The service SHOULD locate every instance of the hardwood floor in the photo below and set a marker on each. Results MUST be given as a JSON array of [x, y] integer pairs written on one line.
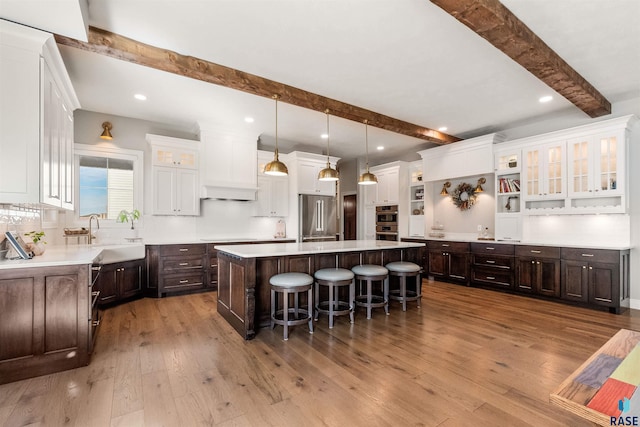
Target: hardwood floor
[[467, 357]]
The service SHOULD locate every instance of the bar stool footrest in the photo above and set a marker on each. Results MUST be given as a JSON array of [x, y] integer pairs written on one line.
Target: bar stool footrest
[[376, 301], [342, 308], [278, 318]]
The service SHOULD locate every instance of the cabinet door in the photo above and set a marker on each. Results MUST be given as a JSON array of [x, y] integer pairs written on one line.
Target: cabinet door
[[388, 186], [307, 177], [280, 196], [526, 274], [548, 277], [164, 190], [544, 172], [174, 157], [67, 163], [51, 152], [130, 279], [370, 222], [458, 266], [107, 284], [263, 197], [575, 279], [187, 194], [438, 264], [604, 283]]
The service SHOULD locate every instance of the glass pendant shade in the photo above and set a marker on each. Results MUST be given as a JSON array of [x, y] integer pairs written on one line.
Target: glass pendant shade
[[328, 173], [367, 178], [276, 167]]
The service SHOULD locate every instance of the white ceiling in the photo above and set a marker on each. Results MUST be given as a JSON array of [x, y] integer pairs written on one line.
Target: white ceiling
[[406, 59]]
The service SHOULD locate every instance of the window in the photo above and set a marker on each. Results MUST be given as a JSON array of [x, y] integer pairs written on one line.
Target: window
[[109, 181]]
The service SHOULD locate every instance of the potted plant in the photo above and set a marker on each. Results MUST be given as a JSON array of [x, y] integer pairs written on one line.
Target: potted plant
[[37, 243], [126, 216]]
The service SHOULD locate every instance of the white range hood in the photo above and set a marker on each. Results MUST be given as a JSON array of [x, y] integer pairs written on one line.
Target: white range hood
[[226, 192], [228, 167]]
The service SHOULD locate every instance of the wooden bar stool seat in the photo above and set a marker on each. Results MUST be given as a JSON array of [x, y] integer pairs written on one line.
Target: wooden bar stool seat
[[370, 273], [291, 284], [334, 279], [402, 270]]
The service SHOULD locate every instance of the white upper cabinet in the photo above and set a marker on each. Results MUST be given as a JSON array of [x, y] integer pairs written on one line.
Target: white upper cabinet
[[273, 191], [304, 169], [389, 188], [596, 165], [580, 170], [175, 184], [308, 182], [544, 171], [36, 105]]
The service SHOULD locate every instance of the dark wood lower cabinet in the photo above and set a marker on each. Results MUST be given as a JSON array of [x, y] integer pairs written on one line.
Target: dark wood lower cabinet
[[591, 277], [44, 320], [538, 270], [448, 261], [120, 282]]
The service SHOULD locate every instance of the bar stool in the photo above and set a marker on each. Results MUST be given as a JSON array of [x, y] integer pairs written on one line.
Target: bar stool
[[372, 273], [288, 284], [402, 270], [334, 279]]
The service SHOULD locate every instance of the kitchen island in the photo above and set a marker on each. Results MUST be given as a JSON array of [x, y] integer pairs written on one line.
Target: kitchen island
[[244, 271]]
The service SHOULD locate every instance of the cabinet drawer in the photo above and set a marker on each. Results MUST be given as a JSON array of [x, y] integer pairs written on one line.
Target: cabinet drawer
[[182, 282], [176, 250], [500, 278], [537, 252], [591, 255], [493, 261], [448, 246], [182, 263], [491, 248]]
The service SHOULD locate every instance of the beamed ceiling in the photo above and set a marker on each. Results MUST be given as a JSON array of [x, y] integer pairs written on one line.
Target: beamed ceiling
[[409, 67]]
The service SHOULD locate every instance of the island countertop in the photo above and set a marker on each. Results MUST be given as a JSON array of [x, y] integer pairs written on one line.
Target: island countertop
[[285, 249]]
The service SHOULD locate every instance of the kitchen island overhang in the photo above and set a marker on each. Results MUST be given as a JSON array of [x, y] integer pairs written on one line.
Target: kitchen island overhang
[[244, 271]]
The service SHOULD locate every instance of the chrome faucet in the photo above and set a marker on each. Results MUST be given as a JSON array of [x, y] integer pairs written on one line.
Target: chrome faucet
[[91, 218]]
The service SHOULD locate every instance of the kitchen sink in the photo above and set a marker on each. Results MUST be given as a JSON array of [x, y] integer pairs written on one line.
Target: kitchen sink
[[119, 253]]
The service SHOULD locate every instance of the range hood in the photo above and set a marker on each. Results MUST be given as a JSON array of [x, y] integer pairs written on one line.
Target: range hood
[[227, 192]]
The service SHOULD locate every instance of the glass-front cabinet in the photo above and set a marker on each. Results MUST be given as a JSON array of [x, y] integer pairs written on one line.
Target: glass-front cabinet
[[545, 176], [595, 165]]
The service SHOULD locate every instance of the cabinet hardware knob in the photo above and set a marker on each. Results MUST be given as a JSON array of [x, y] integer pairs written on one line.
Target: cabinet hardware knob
[[184, 281], [533, 262], [490, 262], [491, 278], [183, 263], [590, 268], [183, 249], [538, 262], [584, 267], [444, 245], [589, 255], [490, 249], [95, 323], [535, 252]]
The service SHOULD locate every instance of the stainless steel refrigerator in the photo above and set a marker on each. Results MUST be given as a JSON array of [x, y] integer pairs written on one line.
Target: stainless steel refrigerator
[[318, 220]]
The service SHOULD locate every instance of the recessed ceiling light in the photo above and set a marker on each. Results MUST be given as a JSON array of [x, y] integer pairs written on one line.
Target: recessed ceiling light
[[248, 119], [324, 136], [140, 97], [380, 148], [442, 129], [545, 99]]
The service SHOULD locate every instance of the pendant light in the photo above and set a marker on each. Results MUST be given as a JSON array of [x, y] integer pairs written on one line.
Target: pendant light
[[328, 173], [276, 167], [367, 178]]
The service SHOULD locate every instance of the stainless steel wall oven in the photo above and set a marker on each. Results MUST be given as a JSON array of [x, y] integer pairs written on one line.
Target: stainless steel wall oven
[[387, 222]]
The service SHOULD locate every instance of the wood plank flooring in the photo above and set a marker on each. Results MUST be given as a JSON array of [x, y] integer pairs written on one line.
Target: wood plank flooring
[[467, 357]]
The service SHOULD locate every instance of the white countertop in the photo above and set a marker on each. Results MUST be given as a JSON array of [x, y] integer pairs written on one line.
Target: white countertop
[[221, 240], [283, 249], [454, 238], [78, 254]]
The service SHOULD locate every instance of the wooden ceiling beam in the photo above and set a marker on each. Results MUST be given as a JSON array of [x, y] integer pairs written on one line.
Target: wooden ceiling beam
[[495, 23], [120, 47]]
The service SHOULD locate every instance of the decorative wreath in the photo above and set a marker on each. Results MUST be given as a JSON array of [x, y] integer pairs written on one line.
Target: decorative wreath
[[464, 196]]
